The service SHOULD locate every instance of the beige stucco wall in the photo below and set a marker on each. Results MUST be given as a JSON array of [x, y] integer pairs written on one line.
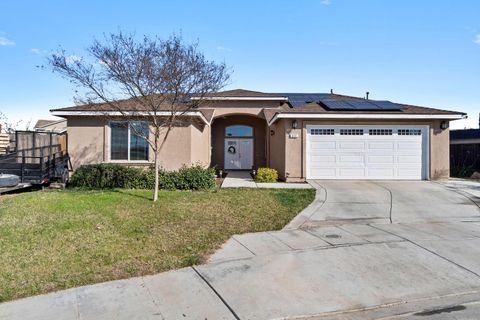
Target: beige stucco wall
[[294, 168], [89, 143], [85, 140], [200, 144], [439, 151], [276, 144]]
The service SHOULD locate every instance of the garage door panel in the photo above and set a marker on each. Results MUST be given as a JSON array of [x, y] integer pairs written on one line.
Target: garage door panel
[[323, 145], [351, 173], [324, 159], [410, 159], [381, 145], [351, 158], [409, 145], [351, 145], [377, 154], [380, 159], [381, 172]]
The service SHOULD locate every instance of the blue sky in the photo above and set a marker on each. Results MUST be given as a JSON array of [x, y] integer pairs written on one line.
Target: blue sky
[[417, 52]]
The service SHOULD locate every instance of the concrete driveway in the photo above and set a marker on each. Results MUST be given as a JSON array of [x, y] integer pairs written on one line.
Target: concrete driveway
[[390, 201], [425, 265]]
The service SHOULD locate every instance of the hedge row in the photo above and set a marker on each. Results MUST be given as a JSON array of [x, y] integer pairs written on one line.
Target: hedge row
[[107, 176]]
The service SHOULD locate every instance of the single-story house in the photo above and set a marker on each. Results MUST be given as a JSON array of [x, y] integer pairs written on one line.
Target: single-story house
[[57, 126], [303, 136]]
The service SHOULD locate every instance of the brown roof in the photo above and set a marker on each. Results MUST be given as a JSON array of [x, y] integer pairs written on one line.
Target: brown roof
[[243, 93], [312, 107], [43, 123]]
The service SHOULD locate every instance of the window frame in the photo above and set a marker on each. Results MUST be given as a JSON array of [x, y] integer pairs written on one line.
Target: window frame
[[239, 125], [128, 142]]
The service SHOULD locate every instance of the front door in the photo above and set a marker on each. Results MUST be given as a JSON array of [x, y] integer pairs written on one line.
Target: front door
[[238, 154]]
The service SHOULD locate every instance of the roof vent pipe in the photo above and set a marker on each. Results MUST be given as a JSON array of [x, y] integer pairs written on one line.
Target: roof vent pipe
[[367, 94]]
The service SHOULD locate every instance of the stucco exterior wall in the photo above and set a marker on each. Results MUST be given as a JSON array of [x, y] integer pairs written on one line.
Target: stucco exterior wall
[[85, 140], [439, 151], [89, 143], [276, 146], [200, 144]]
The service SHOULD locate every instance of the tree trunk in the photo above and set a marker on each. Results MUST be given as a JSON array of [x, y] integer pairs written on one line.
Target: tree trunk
[[155, 188]]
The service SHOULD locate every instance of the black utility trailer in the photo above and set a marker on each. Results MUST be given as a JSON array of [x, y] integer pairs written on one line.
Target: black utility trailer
[[37, 157]]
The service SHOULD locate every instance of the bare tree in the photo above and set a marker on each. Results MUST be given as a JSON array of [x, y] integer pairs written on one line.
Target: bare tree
[[10, 127], [151, 80]]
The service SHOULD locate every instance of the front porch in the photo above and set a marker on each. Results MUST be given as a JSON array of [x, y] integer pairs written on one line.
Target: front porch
[[239, 142]]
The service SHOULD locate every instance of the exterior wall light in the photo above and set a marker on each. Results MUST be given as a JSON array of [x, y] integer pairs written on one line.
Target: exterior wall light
[[294, 124], [444, 125]]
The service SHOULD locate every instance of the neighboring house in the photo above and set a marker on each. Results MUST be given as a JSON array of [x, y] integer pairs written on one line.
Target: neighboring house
[[465, 149], [57, 126], [4, 141], [303, 136]]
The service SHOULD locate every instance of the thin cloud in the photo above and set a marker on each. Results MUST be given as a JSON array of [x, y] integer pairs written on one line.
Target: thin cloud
[[326, 2], [38, 51], [477, 39], [222, 48], [6, 42]]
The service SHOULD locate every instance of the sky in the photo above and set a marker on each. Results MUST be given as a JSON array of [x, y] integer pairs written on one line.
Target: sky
[[417, 52]]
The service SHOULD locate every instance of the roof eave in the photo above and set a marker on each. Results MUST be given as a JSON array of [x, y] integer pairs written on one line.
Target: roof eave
[[220, 98], [64, 113], [366, 116]]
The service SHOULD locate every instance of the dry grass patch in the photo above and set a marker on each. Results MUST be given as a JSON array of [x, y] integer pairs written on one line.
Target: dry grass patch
[[60, 239]]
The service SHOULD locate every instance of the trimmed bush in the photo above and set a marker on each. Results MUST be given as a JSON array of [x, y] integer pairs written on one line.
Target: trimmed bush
[[266, 175], [107, 176]]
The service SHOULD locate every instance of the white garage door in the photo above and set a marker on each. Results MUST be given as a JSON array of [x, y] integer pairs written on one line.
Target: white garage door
[[367, 152]]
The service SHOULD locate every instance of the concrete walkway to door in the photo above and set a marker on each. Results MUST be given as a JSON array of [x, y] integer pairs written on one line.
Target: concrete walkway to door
[[243, 179]]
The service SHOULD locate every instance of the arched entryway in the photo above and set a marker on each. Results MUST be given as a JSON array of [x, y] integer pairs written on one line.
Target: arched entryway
[[238, 142]]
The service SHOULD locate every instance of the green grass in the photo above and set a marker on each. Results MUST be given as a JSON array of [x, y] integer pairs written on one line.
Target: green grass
[[54, 240]]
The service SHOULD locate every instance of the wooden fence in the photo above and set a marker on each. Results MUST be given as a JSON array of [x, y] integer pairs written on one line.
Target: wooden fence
[[4, 142], [465, 156]]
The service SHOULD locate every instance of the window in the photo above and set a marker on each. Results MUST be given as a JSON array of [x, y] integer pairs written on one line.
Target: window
[[239, 131], [380, 132], [351, 132], [322, 132], [128, 141], [409, 132]]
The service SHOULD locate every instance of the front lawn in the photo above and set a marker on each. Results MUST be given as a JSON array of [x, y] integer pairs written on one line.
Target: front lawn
[[54, 240]]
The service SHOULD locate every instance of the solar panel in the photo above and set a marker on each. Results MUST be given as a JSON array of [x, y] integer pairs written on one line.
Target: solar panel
[[387, 105], [337, 104], [363, 105], [300, 99], [359, 104]]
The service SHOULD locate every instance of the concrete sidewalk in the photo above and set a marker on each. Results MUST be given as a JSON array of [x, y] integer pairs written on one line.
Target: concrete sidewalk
[[243, 179]]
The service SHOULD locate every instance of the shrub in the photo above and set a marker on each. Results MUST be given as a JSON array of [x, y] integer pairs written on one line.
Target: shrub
[[106, 176], [266, 175]]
